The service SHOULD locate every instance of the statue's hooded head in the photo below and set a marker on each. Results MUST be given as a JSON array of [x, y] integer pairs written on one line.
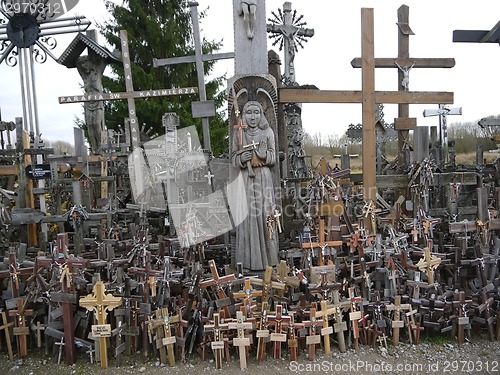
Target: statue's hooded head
[[263, 123]]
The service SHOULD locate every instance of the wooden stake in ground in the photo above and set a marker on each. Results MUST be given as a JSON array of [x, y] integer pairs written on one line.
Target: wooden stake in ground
[[5, 327], [100, 303], [241, 341], [218, 343], [21, 330], [397, 323]]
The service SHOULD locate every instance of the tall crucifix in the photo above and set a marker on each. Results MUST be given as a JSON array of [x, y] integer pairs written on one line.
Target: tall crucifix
[[405, 63], [204, 108], [287, 30], [129, 94], [368, 97]]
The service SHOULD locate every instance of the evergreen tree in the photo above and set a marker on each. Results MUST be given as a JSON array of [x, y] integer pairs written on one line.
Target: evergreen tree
[[160, 29]]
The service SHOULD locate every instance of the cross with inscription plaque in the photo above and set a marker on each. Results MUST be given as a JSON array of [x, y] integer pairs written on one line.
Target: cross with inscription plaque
[[241, 341], [397, 323], [21, 330], [280, 322], [130, 94], [326, 330], [313, 338], [100, 303], [218, 343]]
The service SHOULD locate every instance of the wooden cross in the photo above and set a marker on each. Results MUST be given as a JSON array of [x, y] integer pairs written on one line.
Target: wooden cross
[[397, 323], [414, 327], [355, 315], [67, 299], [292, 337], [239, 127], [368, 97], [312, 339], [404, 123], [218, 343], [130, 94], [321, 243], [428, 264], [280, 322], [218, 283], [282, 276], [262, 332], [241, 341], [164, 335], [327, 330], [100, 303], [463, 320], [6, 327], [324, 287], [485, 309], [247, 295], [267, 283], [21, 330], [204, 108]]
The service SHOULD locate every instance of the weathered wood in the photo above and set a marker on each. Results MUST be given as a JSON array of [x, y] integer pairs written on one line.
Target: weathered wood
[[292, 95], [383, 62]]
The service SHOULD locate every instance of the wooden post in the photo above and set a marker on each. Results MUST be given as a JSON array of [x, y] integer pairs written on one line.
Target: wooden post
[[5, 327], [369, 104], [354, 315], [327, 330], [397, 323], [100, 303], [21, 330]]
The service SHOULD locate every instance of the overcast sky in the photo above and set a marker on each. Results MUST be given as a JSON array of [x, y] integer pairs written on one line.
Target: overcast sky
[[324, 62]]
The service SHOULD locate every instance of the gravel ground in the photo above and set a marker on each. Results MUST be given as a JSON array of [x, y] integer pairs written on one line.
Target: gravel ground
[[433, 355]]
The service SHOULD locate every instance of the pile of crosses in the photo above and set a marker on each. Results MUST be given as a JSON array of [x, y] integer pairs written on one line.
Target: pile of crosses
[[357, 289]]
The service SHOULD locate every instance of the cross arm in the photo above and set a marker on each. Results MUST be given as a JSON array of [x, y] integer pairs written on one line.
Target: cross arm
[[191, 59], [418, 62], [291, 95]]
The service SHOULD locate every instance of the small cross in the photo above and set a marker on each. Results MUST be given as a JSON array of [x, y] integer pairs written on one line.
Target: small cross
[[209, 177]]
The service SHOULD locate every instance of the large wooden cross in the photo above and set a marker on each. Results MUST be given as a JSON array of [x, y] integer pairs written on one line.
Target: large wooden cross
[[368, 97], [204, 108], [100, 303], [130, 94], [404, 63], [321, 243]]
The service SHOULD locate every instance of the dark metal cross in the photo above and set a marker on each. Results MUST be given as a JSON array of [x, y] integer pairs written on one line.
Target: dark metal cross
[[26, 35], [286, 28]]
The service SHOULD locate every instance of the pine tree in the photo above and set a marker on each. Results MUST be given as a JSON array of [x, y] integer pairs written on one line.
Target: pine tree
[[160, 29]]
